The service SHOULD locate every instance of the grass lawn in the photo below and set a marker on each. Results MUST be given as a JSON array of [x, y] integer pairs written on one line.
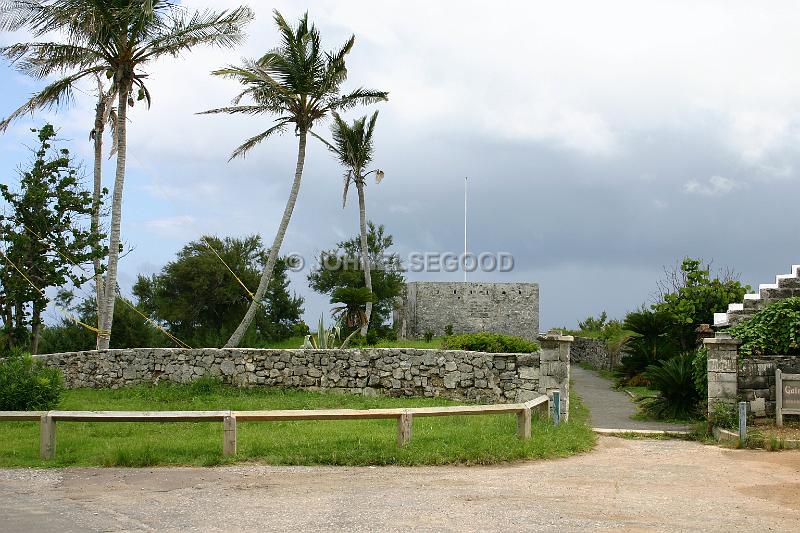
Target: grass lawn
[[436, 440]]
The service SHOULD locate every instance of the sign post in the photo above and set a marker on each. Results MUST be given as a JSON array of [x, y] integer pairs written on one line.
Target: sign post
[[787, 395]]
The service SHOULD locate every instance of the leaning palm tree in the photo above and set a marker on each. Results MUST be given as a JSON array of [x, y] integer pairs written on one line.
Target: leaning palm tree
[[300, 85], [117, 38], [352, 145]]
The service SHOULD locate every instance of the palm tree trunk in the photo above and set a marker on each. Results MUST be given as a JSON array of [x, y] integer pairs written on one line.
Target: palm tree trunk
[[99, 126], [274, 250], [362, 219], [109, 296]]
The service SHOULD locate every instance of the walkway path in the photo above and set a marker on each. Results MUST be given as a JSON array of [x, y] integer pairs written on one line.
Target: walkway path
[[623, 485], [611, 409]]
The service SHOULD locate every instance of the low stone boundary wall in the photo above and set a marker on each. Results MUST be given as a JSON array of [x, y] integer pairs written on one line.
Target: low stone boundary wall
[[458, 375], [593, 352], [732, 378]]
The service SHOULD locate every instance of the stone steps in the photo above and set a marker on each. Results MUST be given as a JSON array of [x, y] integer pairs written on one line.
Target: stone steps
[[785, 286]]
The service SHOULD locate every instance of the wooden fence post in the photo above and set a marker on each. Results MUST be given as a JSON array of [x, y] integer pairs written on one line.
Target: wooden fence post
[[404, 429], [47, 437], [229, 435], [524, 424]]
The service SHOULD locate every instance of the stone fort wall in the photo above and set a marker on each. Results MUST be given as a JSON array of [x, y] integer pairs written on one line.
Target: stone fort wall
[[511, 308]]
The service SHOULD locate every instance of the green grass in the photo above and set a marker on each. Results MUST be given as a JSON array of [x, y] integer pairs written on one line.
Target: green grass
[[437, 440], [641, 392]]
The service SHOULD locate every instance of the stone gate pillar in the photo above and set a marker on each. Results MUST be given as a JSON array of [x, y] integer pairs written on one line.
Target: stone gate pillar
[[554, 367], [722, 368]]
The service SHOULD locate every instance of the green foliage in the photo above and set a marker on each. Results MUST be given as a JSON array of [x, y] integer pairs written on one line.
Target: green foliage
[[352, 302], [201, 302], [724, 415], [342, 268], [692, 297], [27, 385], [674, 380], [448, 329], [325, 339], [428, 335], [130, 330], [700, 372], [774, 330], [297, 82], [651, 342], [45, 234], [490, 343]]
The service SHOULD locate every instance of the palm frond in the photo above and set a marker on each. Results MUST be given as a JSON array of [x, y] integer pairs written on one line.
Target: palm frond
[[246, 146], [57, 93], [224, 29]]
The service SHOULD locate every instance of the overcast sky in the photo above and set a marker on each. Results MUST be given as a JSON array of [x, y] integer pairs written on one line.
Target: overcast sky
[[602, 140]]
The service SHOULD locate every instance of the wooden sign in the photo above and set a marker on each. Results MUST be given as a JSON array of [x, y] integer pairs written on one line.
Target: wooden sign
[[787, 395]]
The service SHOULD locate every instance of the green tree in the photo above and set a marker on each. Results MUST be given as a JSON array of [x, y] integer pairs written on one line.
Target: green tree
[[130, 330], [301, 85], [341, 268], [117, 38], [352, 145], [199, 299], [46, 243], [691, 296]]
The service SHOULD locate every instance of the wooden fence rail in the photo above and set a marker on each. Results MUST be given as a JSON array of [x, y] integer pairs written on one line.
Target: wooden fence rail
[[404, 416]]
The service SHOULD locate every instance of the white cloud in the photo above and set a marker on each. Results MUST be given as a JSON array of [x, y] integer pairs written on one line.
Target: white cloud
[[180, 226], [716, 186]]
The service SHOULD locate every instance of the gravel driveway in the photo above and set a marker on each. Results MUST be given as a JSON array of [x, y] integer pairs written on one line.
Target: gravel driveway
[[631, 485]]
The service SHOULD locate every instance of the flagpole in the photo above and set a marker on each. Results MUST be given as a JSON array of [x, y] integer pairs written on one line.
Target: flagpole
[[464, 260]]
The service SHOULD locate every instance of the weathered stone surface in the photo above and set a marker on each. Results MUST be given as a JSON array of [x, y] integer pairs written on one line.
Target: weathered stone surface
[[511, 308], [459, 375], [594, 352]]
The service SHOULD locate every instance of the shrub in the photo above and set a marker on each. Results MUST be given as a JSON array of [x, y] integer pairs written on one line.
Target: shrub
[[490, 343], [674, 380], [28, 385], [651, 342], [773, 330], [700, 372], [428, 335], [448, 329], [723, 415]]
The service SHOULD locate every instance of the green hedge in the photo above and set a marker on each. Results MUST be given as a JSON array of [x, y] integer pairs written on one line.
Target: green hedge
[[774, 330], [490, 343], [28, 385]]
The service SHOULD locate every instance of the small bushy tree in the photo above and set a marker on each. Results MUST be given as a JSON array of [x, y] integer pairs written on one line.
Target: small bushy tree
[[200, 300], [46, 236], [340, 268]]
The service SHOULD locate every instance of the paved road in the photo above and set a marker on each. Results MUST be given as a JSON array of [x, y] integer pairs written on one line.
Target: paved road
[[611, 409], [623, 485]]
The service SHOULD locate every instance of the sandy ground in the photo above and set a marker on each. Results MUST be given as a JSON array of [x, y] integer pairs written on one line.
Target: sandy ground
[[624, 485]]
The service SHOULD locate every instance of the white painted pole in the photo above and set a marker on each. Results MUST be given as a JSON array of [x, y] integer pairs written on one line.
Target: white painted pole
[[464, 259]]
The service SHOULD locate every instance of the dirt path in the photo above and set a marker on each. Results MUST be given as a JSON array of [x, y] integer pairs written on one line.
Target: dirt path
[[630, 485], [611, 409]]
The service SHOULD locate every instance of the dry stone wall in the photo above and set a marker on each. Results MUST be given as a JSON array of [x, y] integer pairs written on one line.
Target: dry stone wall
[[511, 308], [732, 378], [459, 375], [593, 352]]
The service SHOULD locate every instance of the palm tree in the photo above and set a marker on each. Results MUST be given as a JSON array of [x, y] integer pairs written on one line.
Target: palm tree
[[353, 146], [18, 14], [299, 84], [117, 38]]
